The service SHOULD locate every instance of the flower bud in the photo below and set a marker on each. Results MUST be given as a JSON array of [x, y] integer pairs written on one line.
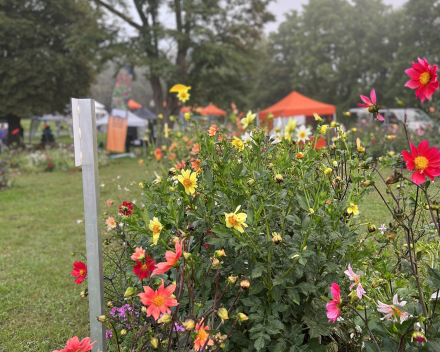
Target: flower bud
[[333, 124], [232, 279], [154, 342], [110, 304], [219, 253], [279, 178], [83, 294], [337, 179], [101, 319], [299, 155], [371, 228], [245, 284], [242, 317], [333, 146], [141, 185], [166, 319], [270, 166], [130, 291], [144, 309], [328, 171], [175, 240], [215, 262], [187, 116], [250, 181], [190, 227], [335, 163], [219, 339], [311, 211], [172, 171], [123, 332], [189, 324], [353, 296], [276, 238], [317, 117], [375, 283], [223, 314], [187, 256], [171, 189], [417, 336]]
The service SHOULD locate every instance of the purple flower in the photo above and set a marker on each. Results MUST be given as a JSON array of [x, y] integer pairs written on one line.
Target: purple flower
[[108, 334]]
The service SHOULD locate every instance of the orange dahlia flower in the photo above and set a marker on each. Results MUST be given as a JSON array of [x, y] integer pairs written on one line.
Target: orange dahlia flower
[[158, 301]]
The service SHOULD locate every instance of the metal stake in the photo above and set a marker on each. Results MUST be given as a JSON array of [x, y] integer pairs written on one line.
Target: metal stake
[[86, 154]]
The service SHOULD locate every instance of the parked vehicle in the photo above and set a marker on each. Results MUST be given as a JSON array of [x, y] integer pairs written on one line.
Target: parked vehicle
[[416, 118]]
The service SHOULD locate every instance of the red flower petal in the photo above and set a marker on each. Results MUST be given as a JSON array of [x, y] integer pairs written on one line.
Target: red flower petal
[[418, 178], [373, 96]]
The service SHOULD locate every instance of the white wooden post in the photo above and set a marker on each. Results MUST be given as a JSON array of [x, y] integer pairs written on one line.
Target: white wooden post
[[86, 155]]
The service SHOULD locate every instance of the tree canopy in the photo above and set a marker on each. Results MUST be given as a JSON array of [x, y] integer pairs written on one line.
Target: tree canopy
[[335, 50], [210, 47], [48, 55]]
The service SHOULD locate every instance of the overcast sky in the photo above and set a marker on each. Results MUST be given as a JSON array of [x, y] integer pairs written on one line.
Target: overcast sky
[[280, 7]]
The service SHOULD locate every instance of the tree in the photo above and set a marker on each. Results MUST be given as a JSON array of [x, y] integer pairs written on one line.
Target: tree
[[418, 28], [333, 51], [212, 44], [48, 55]]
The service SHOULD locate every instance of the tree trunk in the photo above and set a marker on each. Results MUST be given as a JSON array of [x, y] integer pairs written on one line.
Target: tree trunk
[[15, 138]]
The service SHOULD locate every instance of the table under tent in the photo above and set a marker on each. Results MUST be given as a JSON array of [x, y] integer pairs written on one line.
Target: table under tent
[[298, 107], [57, 118]]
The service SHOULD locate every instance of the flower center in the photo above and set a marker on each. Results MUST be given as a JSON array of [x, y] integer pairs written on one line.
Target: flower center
[[156, 228], [232, 220], [425, 77], [421, 163], [144, 267], [302, 135], [396, 311], [158, 301], [187, 182], [203, 334], [81, 272]]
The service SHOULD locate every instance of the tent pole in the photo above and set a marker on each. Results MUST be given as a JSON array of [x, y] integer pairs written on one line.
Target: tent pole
[[334, 117]]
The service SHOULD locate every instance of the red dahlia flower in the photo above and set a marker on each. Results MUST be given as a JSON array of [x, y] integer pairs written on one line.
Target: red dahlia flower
[[74, 345], [425, 160], [79, 271], [126, 208], [370, 104], [144, 269], [423, 77]]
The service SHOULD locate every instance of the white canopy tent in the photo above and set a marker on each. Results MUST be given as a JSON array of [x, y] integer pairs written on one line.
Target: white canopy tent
[[132, 120]]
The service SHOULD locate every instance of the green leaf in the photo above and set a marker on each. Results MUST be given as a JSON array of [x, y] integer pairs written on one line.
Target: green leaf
[[303, 203], [238, 170], [434, 278], [259, 343], [258, 270]]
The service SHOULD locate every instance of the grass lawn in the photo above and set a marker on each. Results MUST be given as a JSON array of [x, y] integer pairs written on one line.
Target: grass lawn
[[40, 307]]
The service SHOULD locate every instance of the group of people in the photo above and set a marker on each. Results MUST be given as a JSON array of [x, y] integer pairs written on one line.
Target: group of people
[[3, 137]]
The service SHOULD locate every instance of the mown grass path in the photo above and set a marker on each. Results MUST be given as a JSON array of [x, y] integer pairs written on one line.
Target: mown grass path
[[40, 307]]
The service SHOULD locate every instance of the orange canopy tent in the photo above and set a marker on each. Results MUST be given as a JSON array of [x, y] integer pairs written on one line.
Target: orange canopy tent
[[297, 104], [133, 105], [212, 110]]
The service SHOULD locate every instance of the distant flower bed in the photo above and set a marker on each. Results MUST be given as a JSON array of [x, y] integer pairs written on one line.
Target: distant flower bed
[[59, 158]]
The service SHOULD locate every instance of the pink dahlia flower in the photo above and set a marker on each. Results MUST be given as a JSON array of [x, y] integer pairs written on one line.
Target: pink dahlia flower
[[356, 278], [424, 78], [425, 161], [391, 311], [334, 306], [370, 104]]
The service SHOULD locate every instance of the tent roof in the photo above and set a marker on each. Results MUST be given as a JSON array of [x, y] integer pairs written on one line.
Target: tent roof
[[212, 110], [133, 105], [297, 104], [133, 120], [146, 114]]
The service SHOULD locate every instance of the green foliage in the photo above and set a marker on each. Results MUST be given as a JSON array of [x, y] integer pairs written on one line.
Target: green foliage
[[48, 54], [285, 303]]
